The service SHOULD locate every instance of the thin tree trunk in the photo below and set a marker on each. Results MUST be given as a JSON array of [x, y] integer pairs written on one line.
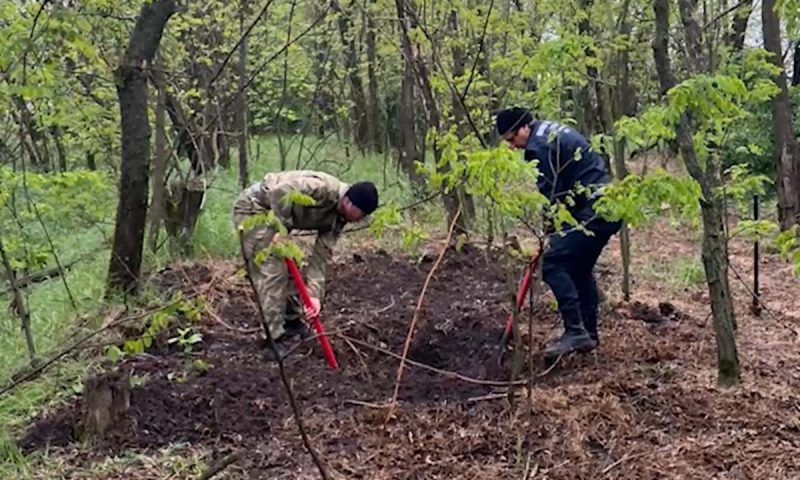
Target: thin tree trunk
[[460, 116], [62, 154], [373, 108], [796, 65], [18, 304], [739, 26], [241, 114], [693, 34], [584, 108], [160, 162], [434, 119], [29, 135], [713, 249], [126, 253], [623, 106], [359, 108], [785, 150], [409, 149], [90, 161]]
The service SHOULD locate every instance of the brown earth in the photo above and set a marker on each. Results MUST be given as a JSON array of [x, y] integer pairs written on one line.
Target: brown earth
[[644, 405]]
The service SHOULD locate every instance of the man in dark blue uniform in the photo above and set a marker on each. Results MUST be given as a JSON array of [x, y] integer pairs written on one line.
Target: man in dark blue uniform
[[565, 160]]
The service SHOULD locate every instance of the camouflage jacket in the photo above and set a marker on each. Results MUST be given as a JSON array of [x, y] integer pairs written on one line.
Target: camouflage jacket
[[323, 217]]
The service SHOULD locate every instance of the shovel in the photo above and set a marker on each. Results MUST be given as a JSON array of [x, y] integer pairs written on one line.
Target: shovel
[[522, 293], [327, 351]]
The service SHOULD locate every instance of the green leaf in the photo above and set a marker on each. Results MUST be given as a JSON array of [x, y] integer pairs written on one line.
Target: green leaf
[[113, 353], [295, 197], [134, 347]]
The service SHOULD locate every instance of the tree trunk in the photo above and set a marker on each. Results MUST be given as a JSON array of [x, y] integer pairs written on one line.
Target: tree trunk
[[739, 27], [785, 151], [159, 163], [693, 34], [29, 135], [359, 108], [373, 108], [107, 400], [241, 113], [409, 148], [322, 101], [623, 106], [126, 253], [405, 11], [62, 154], [584, 109], [714, 259], [715, 263], [18, 304], [796, 65], [90, 161], [661, 46], [182, 210], [185, 196], [460, 117]]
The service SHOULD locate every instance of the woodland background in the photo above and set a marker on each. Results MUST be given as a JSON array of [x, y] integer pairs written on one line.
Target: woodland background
[[129, 127]]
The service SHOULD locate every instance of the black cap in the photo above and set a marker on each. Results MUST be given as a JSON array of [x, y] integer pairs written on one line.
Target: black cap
[[364, 195], [511, 119]]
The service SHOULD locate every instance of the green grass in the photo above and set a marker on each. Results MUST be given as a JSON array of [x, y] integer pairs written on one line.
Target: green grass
[[685, 272], [50, 306]]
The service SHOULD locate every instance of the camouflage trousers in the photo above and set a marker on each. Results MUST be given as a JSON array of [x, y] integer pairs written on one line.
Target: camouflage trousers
[[276, 291]]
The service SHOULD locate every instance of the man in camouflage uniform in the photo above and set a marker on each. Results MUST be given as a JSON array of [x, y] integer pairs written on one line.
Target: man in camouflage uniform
[[336, 203]]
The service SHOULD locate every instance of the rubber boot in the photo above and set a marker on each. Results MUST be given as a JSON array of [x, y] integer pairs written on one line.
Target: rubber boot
[[590, 323], [293, 323], [574, 339], [296, 328], [282, 348]]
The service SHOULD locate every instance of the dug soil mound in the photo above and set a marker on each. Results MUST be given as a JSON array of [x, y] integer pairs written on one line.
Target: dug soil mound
[[642, 406]]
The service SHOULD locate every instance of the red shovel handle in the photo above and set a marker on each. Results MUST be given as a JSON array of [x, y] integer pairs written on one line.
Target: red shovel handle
[[522, 292], [327, 351]]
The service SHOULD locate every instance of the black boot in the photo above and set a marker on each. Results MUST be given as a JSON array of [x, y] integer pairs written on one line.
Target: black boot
[[296, 328], [590, 323], [574, 339], [282, 347]]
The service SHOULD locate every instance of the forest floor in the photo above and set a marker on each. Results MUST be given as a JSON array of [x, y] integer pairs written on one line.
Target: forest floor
[[644, 405]]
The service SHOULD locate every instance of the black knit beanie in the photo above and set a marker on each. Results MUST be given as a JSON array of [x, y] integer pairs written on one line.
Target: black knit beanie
[[364, 195], [511, 119]]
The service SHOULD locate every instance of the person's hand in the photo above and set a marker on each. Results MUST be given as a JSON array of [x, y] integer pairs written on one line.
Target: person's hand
[[277, 238], [314, 310]]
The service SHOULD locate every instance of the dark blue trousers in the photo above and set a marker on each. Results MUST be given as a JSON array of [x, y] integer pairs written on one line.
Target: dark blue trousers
[[568, 268]]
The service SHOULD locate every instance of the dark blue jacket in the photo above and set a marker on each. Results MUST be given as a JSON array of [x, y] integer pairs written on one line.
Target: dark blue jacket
[[565, 159]]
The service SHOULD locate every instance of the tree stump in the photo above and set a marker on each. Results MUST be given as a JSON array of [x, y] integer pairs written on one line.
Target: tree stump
[[106, 403]]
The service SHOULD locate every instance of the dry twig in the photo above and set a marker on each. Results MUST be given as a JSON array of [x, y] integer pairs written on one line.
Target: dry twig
[[219, 466], [444, 373]]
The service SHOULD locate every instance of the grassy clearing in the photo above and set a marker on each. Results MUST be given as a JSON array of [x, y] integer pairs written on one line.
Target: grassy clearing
[[52, 311]]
